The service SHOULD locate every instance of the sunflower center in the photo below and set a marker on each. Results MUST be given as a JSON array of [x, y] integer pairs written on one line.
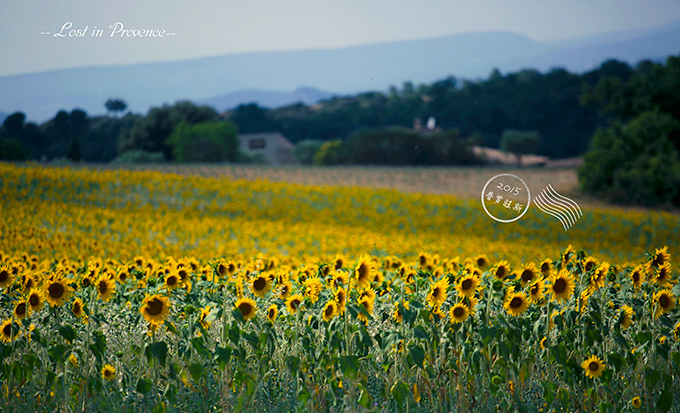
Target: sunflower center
[[4, 275], [7, 330], [466, 284], [56, 290], [545, 267], [589, 266], [658, 260], [21, 309], [103, 287], [458, 312], [664, 301], [154, 307], [363, 271], [245, 308], [271, 313], [34, 300], [560, 285], [259, 284], [329, 311], [435, 292], [222, 269], [86, 282], [340, 297], [481, 262], [527, 275], [500, 272], [338, 264], [294, 304], [593, 366], [182, 274], [172, 280], [516, 302], [76, 308]]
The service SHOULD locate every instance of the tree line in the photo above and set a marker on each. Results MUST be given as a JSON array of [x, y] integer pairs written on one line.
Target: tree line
[[563, 108]]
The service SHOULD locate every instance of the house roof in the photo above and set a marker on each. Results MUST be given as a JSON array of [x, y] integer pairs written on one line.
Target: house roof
[[269, 137]]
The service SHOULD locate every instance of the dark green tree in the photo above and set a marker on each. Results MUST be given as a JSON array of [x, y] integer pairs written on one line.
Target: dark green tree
[[205, 142], [520, 143], [115, 106], [635, 163]]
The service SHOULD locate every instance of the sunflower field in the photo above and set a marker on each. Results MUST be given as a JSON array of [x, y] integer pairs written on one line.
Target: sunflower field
[[144, 291]]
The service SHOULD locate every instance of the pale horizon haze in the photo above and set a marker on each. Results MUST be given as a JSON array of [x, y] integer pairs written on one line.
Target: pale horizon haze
[[205, 28]]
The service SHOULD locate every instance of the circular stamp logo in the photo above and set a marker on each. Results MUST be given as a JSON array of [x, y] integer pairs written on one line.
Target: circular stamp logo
[[506, 198]]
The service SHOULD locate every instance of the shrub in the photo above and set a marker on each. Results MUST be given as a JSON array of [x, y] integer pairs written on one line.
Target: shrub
[[139, 156], [305, 151], [205, 142]]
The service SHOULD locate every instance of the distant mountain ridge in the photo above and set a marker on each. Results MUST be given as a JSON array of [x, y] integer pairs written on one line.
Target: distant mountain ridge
[[255, 77]]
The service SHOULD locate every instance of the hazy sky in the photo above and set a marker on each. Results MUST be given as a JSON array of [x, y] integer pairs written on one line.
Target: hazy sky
[[213, 27]]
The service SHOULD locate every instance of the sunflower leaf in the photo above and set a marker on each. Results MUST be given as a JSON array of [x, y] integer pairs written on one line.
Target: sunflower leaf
[[157, 350], [143, 385], [400, 392], [196, 370], [417, 354], [68, 332]]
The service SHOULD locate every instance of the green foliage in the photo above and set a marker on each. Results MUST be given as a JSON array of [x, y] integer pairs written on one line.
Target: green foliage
[[520, 143], [305, 151], [205, 142], [400, 146], [328, 153], [11, 150], [139, 156], [150, 133], [115, 105], [74, 152], [636, 162]]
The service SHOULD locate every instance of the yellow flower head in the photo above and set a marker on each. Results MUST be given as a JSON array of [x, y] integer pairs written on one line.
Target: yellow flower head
[[593, 367], [155, 309], [247, 307], [108, 372]]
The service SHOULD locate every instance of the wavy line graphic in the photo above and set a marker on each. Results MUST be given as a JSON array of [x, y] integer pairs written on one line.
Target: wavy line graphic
[[564, 209]]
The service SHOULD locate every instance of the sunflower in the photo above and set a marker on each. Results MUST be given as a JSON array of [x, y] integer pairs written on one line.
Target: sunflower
[[77, 308], [659, 258], [562, 286], [106, 287], [363, 272], [171, 281], [593, 367], [423, 259], [272, 312], [203, 318], [676, 331], [339, 262], [537, 290], [57, 291], [285, 289], [626, 316], [124, 275], [663, 275], [108, 372], [340, 297], [293, 303], [467, 286], [8, 331], [339, 278], [501, 270], [437, 294], [35, 300], [155, 309], [482, 261], [566, 254], [73, 360], [410, 275], [598, 278], [6, 277], [260, 285], [458, 313], [516, 303], [637, 276], [636, 402], [528, 273], [329, 310], [21, 310], [589, 263], [313, 287], [29, 281], [546, 267], [665, 302], [247, 307], [398, 317], [367, 303]]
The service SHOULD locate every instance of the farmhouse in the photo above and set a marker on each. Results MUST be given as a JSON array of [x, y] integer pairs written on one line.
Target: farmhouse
[[272, 146]]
